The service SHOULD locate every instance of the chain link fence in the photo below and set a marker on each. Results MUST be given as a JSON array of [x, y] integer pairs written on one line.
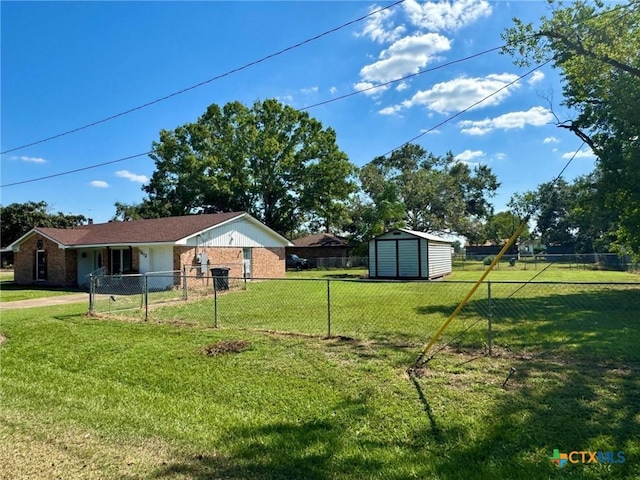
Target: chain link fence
[[590, 261], [535, 318]]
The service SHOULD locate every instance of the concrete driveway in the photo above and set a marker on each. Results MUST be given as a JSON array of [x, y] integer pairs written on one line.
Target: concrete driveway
[[47, 301]]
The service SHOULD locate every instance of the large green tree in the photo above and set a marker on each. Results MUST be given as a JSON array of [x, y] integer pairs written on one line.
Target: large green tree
[[270, 160], [16, 219], [568, 214], [595, 46], [421, 191]]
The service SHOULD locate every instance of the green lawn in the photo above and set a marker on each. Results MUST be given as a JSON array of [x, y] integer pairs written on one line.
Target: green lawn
[[123, 398], [10, 292], [78, 390]]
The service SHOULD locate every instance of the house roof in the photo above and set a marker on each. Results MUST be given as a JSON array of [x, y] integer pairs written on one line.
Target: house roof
[[155, 230], [320, 240]]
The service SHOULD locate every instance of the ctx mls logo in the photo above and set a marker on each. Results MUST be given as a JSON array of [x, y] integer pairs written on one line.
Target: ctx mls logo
[[561, 459]]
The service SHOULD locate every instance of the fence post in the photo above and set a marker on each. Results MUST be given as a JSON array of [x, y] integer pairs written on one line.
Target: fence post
[[215, 303], [184, 283], [244, 274], [489, 315], [328, 308], [92, 291], [146, 297]]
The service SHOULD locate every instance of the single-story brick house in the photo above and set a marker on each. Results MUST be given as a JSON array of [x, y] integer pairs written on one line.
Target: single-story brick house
[[66, 256], [319, 245]]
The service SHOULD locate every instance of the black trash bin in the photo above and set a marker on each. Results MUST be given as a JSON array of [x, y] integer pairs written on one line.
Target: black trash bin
[[220, 278]]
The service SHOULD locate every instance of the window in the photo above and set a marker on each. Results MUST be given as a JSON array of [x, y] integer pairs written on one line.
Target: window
[[120, 260]]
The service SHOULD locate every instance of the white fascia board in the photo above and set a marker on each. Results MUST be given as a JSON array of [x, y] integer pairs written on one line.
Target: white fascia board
[[15, 246]]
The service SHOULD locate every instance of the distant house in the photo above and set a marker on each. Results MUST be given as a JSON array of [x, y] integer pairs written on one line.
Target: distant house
[[320, 245], [488, 248], [66, 256], [407, 254]]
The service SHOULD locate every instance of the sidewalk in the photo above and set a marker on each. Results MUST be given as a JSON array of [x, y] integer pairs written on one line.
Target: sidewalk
[[46, 301]]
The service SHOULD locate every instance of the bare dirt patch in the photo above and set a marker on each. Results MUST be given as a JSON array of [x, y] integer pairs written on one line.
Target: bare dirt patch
[[227, 346], [2, 339]]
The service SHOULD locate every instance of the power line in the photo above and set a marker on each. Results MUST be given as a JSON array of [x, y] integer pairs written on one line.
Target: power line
[[390, 82], [469, 107], [205, 82], [76, 170], [325, 102]]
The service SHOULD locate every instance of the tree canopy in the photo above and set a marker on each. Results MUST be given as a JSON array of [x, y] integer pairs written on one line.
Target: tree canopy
[[418, 190], [277, 163], [568, 214], [596, 48], [19, 218]]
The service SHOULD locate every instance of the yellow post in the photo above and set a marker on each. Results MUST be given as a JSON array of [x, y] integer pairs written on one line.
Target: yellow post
[[473, 290]]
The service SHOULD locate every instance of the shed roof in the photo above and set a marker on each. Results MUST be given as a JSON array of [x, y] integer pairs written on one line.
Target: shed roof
[[428, 236]]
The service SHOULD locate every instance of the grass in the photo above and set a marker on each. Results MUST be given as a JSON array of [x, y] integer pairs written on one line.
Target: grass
[[10, 292], [267, 396], [99, 398]]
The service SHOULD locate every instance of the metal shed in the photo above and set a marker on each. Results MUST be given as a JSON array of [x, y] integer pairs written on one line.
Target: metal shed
[[407, 254]]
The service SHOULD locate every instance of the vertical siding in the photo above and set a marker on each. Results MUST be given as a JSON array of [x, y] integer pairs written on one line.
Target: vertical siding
[[439, 259], [240, 233], [408, 258], [386, 258]]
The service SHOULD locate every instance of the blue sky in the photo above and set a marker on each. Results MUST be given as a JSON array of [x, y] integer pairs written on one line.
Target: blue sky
[[68, 64]]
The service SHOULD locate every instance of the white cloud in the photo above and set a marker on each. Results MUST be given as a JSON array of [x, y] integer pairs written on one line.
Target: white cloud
[[309, 90], [500, 156], [430, 132], [333, 90], [405, 56], [585, 153], [390, 110], [380, 28], [446, 15], [535, 116], [536, 77], [132, 176], [551, 140], [468, 155], [361, 86], [460, 93], [285, 99], [99, 184], [30, 159], [402, 86]]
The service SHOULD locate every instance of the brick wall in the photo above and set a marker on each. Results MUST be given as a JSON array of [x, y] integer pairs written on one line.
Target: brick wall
[[61, 264], [265, 262], [268, 262]]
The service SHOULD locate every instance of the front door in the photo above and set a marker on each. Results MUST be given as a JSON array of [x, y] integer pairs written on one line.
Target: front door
[[41, 265]]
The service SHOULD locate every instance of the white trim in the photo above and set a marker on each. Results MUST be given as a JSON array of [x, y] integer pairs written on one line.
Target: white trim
[[33, 231]]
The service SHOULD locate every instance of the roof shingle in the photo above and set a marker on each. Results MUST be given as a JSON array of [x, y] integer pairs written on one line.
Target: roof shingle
[[154, 230]]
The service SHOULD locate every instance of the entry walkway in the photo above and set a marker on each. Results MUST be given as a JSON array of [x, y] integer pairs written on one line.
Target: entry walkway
[[46, 301]]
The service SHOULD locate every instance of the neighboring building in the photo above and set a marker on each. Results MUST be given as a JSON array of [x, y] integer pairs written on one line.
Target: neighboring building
[[488, 248], [320, 245], [406, 254], [66, 256]]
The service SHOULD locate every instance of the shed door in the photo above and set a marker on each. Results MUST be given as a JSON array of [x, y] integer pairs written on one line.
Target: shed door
[[408, 258], [386, 258]]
